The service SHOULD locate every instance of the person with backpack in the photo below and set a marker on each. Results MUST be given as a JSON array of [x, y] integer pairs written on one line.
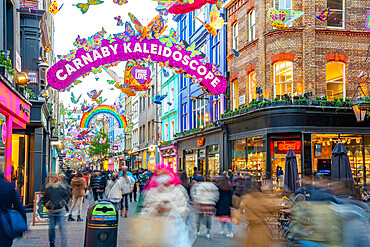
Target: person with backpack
[[127, 186], [56, 196], [97, 184]]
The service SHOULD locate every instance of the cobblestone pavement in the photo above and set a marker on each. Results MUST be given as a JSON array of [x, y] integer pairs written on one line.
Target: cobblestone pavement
[[38, 235]]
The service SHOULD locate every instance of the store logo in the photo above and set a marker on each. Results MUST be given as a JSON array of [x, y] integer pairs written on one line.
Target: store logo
[[284, 146], [200, 142], [25, 110]]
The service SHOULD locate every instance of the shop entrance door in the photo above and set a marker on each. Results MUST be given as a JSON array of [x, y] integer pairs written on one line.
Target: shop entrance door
[[202, 166]]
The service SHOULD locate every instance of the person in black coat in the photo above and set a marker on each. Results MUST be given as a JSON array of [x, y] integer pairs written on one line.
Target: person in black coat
[[97, 185], [9, 200], [223, 212]]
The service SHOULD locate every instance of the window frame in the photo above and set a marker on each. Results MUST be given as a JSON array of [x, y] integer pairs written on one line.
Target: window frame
[[235, 30], [274, 77], [184, 116], [197, 13], [235, 97], [343, 16], [251, 28], [198, 109], [344, 79], [250, 91]]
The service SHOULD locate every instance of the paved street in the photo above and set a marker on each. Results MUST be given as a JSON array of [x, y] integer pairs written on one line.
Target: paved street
[[38, 235]]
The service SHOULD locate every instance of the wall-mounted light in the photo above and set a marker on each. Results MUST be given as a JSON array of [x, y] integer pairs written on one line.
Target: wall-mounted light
[[207, 117], [22, 78]]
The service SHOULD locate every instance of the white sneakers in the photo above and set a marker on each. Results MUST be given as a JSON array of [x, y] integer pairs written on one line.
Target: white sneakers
[[230, 235], [221, 233], [208, 235]]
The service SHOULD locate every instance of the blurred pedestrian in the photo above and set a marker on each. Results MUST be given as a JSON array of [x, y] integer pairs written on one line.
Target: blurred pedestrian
[[223, 206], [78, 185], [97, 185], [114, 191], [185, 181], [9, 200], [205, 196], [54, 200], [62, 179], [127, 186], [142, 179], [134, 191]]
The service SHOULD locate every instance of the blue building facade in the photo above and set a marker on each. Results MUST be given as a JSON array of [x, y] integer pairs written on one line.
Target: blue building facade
[[198, 111]]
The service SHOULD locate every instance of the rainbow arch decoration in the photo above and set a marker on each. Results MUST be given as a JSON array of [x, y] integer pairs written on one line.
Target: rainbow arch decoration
[[103, 109]]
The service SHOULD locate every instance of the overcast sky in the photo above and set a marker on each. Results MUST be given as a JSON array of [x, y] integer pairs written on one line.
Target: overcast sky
[[70, 22]]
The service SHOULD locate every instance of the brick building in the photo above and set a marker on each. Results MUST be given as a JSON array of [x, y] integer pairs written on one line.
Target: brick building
[[293, 67]]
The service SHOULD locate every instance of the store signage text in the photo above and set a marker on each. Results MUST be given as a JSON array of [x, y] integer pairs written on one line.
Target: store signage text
[[284, 146], [65, 72], [200, 142], [25, 110]]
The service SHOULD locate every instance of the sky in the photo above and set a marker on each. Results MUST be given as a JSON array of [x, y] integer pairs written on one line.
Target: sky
[[70, 22]]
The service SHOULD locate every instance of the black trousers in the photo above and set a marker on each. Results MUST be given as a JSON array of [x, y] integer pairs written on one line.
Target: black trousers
[[97, 194], [134, 191]]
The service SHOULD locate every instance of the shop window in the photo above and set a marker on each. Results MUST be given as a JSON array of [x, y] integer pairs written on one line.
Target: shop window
[[283, 79], [235, 93], [252, 84], [337, 13], [165, 131], [283, 4], [335, 80], [238, 155], [190, 161], [216, 109], [216, 50], [172, 129], [172, 98], [252, 25], [199, 112], [184, 116], [213, 156], [235, 31], [256, 157]]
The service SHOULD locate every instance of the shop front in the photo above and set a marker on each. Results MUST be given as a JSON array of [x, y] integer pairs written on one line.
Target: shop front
[[14, 115], [202, 151], [310, 132], [169, 156]]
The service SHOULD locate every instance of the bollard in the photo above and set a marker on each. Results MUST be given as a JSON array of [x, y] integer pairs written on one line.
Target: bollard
[[101, 225]]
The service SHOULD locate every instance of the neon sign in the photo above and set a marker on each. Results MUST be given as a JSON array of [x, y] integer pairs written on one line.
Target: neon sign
[[81, 61], [284, 146]]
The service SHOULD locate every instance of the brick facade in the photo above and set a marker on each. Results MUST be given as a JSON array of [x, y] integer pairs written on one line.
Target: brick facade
[[309, 43]]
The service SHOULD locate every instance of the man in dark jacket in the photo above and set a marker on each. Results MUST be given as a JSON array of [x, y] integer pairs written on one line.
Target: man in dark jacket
[[56, 196], [97, 185], [9, 200]]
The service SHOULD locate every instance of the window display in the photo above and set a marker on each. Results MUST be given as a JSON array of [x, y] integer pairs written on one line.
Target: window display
[[213, 160], [238, 155], [256, 151]]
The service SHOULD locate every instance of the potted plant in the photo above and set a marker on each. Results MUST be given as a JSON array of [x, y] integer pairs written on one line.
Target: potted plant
[[264, 103], [253, 105], [6, 67]]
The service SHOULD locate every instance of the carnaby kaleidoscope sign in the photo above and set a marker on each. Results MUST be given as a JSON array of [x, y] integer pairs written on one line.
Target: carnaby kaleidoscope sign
[[112, 50]]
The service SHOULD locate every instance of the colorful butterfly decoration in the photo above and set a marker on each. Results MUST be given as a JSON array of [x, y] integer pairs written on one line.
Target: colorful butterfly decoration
[[128, 128], [69, 114], [97, 70], [281, 17], [76, 82], [216, 71], [53, 9], [165, 73], [158, 98], [204, 61], [164, 64], [142, 30], [90, 43], [111, 39], [120, 2], [86, 108], [324, 15], [101, 100], [111, 82], [171, 40], [47, 48], [127, 34], [148, 60], [185, 6], [119, 20], [75, 100], [158, 27], [367, 23], [194, 52], [94, 95], [219, 4], [84, 7], [216, 21], [235, 52], [63, 111], [196, 80], [69, 57], [179, 71], [180, 46]]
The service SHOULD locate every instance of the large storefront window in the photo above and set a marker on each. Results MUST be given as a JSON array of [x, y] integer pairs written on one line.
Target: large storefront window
[[278, 157], [323, 145], [238, 155], [19, 161], [256, 151], [190, 161], [213, 160], [2, 144]]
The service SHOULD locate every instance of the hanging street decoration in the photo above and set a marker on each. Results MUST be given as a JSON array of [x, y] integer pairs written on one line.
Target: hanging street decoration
[[216, 21], [87, 117], [75, 100], [53, 9], [94, 95], [280, 18], [84, 7], [141, 75], [367, 23], [186, 6]]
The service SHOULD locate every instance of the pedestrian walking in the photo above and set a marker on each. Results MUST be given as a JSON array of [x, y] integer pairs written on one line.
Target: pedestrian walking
[[127, 186], [134, 191], [97, 185], [205, 196], [223, 206], [63, 180], [142, 179], [114, 191], [54, 200], [78, 185], [9, 200]]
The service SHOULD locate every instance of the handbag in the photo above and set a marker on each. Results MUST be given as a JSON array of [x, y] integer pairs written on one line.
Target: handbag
[[13, 223]]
